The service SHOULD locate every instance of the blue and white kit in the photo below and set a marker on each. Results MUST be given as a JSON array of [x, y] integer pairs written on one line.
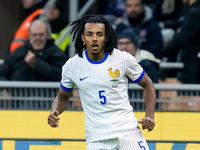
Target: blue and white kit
[[103, 87]]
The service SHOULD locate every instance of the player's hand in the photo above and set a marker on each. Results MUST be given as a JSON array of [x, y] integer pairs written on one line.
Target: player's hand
[[147, 123], [53, 119]]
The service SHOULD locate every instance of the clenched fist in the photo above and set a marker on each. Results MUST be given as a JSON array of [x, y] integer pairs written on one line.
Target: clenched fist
[[147, 123], [53, 119]]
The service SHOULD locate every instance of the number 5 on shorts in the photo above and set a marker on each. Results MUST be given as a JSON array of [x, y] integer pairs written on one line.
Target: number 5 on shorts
[[141, 146]]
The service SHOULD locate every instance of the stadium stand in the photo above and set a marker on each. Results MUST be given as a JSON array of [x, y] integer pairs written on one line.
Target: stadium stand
[[39, 96], [24, 107]]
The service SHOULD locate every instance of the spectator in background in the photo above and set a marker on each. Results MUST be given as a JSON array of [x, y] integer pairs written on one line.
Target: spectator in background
[[151, 3], [38, 60], [113, 7], [58, 22], [21, 34], [188, 41], [54, 14], [140, 16], [169, 14], [29, 6], [128, 41]]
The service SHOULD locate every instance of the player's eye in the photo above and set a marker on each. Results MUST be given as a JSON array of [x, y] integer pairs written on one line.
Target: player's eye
[[100, 34], [89, 34]]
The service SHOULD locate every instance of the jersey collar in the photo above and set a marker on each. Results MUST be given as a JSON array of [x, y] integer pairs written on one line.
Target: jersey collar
[[96, 62]]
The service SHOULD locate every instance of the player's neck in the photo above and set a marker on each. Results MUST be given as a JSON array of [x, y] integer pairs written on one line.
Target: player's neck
[[96, 56]]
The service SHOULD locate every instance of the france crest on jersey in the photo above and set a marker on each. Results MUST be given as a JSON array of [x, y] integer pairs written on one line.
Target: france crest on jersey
[[103, 87]]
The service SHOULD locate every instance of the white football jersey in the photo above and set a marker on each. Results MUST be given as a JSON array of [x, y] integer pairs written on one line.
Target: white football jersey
[[103, 89]]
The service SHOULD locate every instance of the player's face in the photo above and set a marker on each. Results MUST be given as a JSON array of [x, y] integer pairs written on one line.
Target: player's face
[[134, 8], [126, 45], [94, 37]]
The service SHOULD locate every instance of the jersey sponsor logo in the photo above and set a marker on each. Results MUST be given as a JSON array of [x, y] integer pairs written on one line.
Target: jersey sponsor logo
[[81, 79]]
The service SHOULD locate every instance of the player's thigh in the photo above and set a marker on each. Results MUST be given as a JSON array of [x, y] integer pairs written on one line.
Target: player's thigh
[[133, 141], [109, 144]]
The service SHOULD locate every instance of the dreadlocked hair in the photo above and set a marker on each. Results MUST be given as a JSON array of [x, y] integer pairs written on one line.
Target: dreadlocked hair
[[78, 29]]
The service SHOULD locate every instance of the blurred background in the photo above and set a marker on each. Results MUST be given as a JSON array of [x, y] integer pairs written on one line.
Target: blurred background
[[169, 52]]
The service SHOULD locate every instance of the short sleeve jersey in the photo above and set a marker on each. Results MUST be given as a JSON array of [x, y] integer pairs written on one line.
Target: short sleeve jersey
[[103, 89]]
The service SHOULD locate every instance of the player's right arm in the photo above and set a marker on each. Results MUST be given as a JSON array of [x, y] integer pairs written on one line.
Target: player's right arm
[[59, 105]]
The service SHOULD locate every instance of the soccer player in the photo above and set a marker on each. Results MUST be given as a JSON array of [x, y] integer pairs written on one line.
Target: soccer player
[[100, 72]]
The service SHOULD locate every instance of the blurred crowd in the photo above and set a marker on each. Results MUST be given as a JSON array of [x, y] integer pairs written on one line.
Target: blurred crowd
[[154, 31]]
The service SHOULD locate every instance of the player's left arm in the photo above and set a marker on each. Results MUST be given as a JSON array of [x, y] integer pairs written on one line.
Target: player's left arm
[[150, 101]]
